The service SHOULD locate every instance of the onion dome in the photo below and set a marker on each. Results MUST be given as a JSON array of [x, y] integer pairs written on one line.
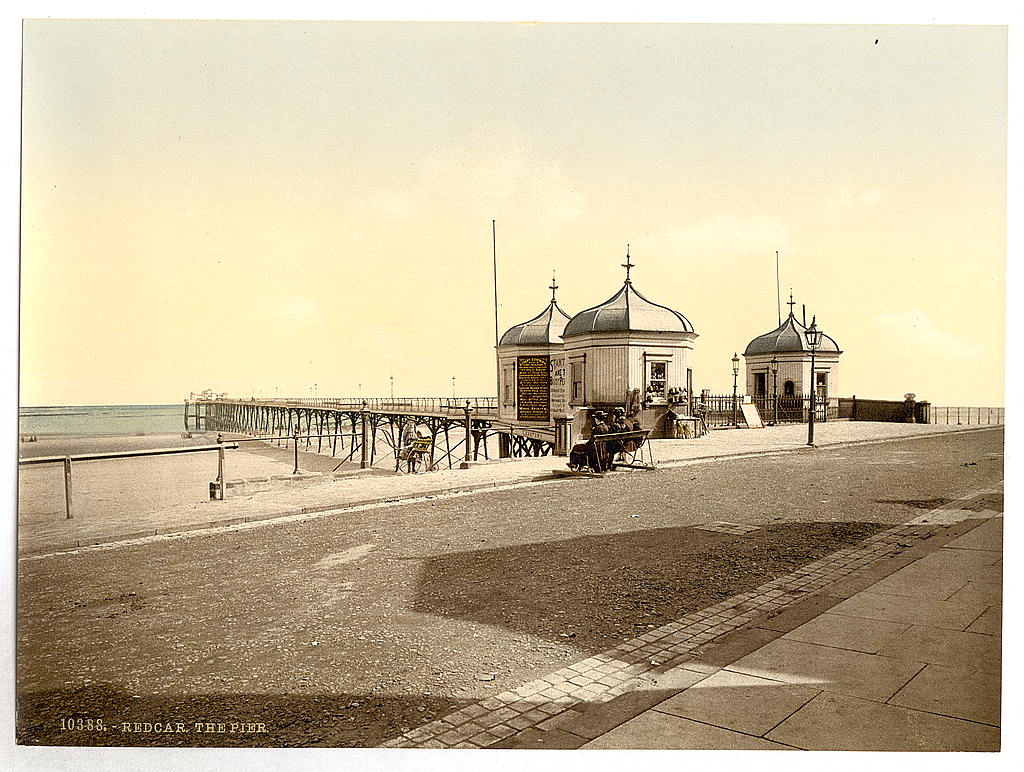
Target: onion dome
[[542, 330], [790, 336], [627, 311]]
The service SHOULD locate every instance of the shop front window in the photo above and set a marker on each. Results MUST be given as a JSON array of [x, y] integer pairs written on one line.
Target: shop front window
[[656, 381], [576, 374]]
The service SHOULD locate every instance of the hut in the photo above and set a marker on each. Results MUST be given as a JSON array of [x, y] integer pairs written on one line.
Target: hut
[[627, 352], [778, 363]]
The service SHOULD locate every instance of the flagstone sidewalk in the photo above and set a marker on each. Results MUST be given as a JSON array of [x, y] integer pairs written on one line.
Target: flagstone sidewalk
[[891, 645]]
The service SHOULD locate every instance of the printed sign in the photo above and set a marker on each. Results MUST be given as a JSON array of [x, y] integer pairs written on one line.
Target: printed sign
[[751, 415], [559, 393], [533, 388]]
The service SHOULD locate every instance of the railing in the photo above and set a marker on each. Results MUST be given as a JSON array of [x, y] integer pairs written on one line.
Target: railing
[[67, 460], [794, 408], [480, 405], [968, 416], [718, 408]]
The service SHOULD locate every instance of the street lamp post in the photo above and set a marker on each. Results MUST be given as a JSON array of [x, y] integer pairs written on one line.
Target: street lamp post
[[453, 387], [775, 391], [813, 335], [735, 376], [392, 388]]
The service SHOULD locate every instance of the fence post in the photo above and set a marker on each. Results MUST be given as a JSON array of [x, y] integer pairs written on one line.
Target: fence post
[[221, 484], [67, 489]]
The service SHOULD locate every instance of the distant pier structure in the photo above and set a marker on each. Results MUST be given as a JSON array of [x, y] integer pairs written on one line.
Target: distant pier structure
[[372, 431]]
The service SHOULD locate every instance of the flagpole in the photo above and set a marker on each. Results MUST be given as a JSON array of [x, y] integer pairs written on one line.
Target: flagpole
[[494, 248], [778, 288], [497, 359]]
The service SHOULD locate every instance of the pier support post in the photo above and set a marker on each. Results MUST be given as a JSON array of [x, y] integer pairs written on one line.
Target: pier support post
[[67, 488], [295, 439], [364, 445]]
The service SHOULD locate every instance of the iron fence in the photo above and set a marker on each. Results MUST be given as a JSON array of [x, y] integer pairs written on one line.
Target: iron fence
[[968, 416], [718, 408], [794, 408]]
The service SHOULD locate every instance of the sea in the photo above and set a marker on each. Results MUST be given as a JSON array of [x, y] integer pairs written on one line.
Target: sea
[[99, 420]]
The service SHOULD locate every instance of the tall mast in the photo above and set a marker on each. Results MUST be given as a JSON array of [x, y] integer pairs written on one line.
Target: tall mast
[[494, 250], [778, 288]]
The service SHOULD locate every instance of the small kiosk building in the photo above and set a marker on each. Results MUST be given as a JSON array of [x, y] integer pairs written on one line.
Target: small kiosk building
[[787, 346]]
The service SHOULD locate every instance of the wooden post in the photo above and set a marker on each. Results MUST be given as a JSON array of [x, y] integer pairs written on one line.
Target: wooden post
[[67, 488], [221, 484], [295, 438]]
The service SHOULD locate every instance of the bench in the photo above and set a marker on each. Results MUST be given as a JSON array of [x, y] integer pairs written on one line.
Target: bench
[[614, 450]]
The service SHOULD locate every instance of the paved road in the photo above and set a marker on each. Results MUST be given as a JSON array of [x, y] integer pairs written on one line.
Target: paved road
[[350, 629]]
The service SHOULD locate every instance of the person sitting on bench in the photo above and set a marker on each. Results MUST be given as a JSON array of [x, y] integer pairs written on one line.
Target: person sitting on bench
[[617, 425], [595, 454]]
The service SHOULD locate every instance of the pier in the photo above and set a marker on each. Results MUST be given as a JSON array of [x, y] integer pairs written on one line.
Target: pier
[[369, 430]]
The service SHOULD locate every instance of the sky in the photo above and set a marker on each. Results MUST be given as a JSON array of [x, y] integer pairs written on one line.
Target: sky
[[300, 208]]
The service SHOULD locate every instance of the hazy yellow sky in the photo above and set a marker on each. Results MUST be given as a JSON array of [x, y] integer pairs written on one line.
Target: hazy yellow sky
[[258, 207]]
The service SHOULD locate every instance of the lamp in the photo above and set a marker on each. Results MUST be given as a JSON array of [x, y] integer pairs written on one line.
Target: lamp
[[735, 375], [775, 390], [813, 335]]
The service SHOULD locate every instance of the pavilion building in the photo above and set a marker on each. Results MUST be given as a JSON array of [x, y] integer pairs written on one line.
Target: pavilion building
[[790, 375], [626, 352]]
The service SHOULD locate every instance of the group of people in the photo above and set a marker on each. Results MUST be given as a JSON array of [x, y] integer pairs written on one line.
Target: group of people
[[590, 455]]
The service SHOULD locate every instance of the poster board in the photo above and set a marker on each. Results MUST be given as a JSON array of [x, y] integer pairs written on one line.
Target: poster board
[[533, 388], [751, 415]]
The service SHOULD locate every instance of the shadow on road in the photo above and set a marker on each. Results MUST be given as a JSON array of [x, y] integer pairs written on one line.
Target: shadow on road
[[596, 591], [290, 720]]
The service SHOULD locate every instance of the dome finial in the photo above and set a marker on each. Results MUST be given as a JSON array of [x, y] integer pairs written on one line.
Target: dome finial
[[791, 302], [553, 286], [628, 265]]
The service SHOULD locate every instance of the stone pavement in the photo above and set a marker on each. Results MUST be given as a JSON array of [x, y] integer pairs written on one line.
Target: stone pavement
[[894, 644], [361, 490]]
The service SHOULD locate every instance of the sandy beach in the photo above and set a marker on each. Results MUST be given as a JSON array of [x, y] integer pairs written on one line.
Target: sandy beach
[[143, 484], [146, 484]]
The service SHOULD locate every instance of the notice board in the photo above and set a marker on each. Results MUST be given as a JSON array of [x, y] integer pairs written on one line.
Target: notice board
[[751, 415], [533, 388]]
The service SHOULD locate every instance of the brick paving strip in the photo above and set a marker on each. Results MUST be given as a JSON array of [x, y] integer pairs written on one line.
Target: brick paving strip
[[557, 710]]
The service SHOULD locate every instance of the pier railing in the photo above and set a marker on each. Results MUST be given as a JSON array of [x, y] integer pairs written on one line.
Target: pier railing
[[968, 416], [480, 405]]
